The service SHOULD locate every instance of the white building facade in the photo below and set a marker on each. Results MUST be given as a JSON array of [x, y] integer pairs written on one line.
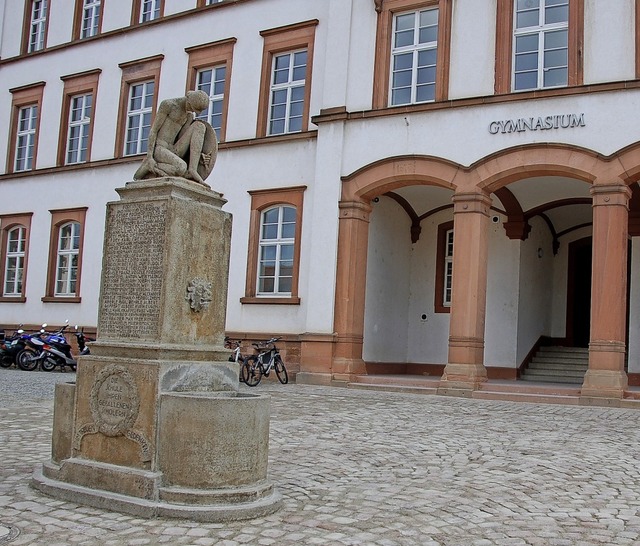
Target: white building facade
[[361, 142]]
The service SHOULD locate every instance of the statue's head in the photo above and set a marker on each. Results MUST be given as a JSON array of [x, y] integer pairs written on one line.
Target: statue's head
[[197, 101]]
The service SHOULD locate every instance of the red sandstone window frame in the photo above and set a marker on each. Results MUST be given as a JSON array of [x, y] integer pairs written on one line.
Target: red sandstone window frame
[[78, 17], [136, 10], [441, 249], [384, 35], [58, 219], [77, 84], [21, 97], [26, 28], [135, 72], [7, 223], [209, 56], [260, 201], [281, 40], [504, 45]]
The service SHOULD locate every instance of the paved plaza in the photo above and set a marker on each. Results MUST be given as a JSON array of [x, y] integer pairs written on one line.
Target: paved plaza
[[371, 468]]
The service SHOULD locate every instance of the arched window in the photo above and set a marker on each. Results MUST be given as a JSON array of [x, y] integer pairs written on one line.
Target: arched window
[[67, 259], [277, 240], [273, 260], [14, 255], [15, 261], [65, 256]]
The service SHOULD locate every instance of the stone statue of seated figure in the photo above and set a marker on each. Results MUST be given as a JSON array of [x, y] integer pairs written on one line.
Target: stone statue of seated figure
[[179, 144]]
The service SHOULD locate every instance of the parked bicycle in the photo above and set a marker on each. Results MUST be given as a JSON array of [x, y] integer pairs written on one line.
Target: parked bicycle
[[235, 355], [267, 359]]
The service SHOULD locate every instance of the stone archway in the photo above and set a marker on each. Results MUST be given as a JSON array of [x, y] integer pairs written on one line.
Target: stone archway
[[609, 178]]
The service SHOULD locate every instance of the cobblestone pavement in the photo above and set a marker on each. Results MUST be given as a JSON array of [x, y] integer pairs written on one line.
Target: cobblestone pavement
[[373, 468]]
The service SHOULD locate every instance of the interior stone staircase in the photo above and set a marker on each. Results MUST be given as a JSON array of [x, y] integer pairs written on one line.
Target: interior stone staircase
[[558, 365]]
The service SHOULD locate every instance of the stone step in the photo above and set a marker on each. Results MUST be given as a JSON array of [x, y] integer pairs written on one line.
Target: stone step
[[560, 349], [559, 372], [565, 357], [555, 365], [553, 379]]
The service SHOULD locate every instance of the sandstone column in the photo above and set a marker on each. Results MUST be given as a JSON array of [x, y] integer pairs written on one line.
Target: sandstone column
[[350, 289], [465, 369], [606, 377]]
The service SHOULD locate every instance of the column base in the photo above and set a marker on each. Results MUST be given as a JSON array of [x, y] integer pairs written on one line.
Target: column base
[[600, 384], [462, 379]]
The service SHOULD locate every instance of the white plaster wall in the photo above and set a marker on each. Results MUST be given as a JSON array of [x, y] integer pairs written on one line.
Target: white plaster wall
[[388, 273], [501, 324], [11, 29], [361, 45], [560, 279], [609, 42], [535, 288], [177, 6], [462, 135], [634, 308], [60, 27], [72, 189], [473, 39], [117, 15], [428, 337]]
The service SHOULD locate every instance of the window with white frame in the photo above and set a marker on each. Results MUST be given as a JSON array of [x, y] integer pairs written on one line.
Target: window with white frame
[[448, 268], [37, 25], [67, 259], [541, 44], [15, 261], [90, 18], [149, 10], [212, 82], [209, 2], [276, 253], [79, 125], [286, 105], [26, 137], [414, 53], [139, 112]]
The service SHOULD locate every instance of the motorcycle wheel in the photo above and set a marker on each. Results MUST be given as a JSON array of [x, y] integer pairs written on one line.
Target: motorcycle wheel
[[48, 364], [6, 361], [26, 360]]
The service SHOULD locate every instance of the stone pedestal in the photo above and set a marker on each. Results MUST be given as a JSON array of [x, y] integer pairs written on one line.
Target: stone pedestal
[[155, 425]]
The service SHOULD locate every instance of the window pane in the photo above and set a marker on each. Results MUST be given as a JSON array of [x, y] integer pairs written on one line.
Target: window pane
[[403, 62], [555, 40], [426, 93], [526, 80], [559, 14], [555, 77], [427, 35], [557, 58], [401, 96], [288, 214], [528, 61], [526, 19], [525, 44]]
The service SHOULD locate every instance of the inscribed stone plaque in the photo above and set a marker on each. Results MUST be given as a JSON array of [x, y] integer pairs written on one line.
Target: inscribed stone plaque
[[133, 270]]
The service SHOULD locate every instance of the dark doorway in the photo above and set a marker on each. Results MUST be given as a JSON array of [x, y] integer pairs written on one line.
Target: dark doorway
[[579, 293]]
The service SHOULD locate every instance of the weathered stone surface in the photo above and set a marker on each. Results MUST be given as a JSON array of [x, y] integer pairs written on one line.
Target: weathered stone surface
[[158, 426], [63, 413]]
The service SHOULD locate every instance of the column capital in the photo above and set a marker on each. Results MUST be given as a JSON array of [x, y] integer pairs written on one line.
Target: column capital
[[355, 210], [471, 202], [610, 194]]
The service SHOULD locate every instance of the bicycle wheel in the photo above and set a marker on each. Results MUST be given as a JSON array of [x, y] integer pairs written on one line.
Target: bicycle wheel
[[241, 368], [281, 371], [26, 360], [252, 371]]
